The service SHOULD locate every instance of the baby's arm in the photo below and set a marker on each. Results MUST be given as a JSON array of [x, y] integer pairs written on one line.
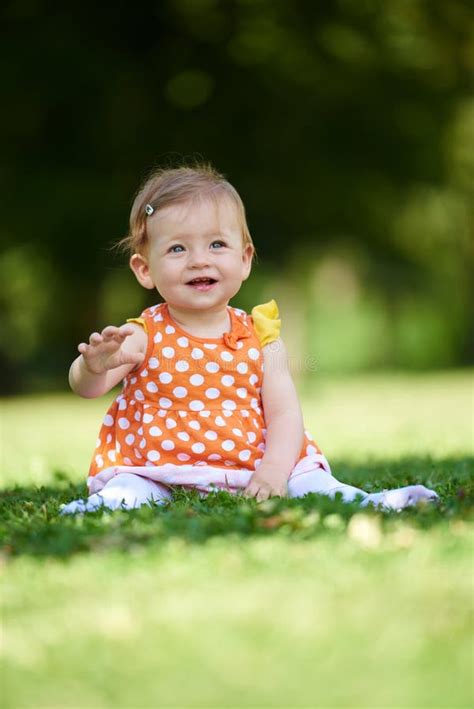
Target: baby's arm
[[107, 359], [284, 424]]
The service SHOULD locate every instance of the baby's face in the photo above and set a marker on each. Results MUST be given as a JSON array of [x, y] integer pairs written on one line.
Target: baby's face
[[196, 258]]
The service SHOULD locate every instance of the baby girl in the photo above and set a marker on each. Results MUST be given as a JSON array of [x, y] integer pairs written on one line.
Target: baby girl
[[207, 399]]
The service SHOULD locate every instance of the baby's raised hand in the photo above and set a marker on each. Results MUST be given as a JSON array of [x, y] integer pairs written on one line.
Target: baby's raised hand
[[106, 350]]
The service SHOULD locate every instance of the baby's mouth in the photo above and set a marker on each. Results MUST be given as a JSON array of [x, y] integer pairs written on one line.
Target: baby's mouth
[[202, 283]]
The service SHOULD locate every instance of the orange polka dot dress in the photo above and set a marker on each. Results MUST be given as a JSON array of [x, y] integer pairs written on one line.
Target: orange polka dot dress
[[192, 413]]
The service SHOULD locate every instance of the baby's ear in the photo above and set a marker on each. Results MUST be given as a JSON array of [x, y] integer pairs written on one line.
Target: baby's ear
[[247, 256], [139, 266]]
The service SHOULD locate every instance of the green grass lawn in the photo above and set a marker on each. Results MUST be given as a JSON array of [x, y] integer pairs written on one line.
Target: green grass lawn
[[226, 603]]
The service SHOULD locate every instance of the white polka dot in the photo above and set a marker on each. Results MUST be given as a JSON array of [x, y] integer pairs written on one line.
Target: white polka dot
[[155, 431], [98, 443], [212, 367], [183, 456], [167, 445], [253, 353], [210, 346], [165, 403], [205, 414], [195, 425], [257, 462], [183, 436], [144, 373], [242, 392], [147, 418], [237, 432], [253, 379], [196, 405], [108, 420], [153, 455], [251, 437], [169, 329], [142, 443], [227, 413], [220, 421], [226, 356], [254, 404], [212, 393], [244, 413], [182, 341], [255, 423], [214, 456], [228, 445], [261, 446], [151, 387], [165, 378], [229, 404], [227, 380], [112, 456], [198, 447], [242, 368], [122, 404], [153, 363], [310, 450], [133, 380], [140, 431], [137, 416], [182, 414], [167, 352], [239, 345], [99, 461], [211, 435], [179, 392], [158, 337], [171, 423], [244, 455], [127, 461], [182, 366], [158, 318], [196, 379], [129, 439], [196, 353], [124, 423], [109, 438]]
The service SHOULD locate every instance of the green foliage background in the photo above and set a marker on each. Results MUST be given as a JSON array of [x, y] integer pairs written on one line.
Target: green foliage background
[[347, 127]]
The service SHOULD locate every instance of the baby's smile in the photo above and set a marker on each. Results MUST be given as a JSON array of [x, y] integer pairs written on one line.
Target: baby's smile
[[202, 283]]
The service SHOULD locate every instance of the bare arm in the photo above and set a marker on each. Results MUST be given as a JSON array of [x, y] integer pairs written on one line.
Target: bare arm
[[284, 423], [107, 359]]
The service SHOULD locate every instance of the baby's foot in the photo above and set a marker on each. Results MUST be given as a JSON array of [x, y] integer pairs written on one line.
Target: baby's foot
[[401, 497], [80, 506]]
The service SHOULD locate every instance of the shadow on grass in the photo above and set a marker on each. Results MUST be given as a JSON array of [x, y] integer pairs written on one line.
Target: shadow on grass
[[31, 523]]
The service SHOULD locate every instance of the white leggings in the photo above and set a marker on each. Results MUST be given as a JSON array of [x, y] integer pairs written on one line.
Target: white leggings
[[128, 490]]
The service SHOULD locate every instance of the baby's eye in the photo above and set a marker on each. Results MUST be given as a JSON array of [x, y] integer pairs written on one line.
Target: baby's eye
[[218, 242], [176, 249]]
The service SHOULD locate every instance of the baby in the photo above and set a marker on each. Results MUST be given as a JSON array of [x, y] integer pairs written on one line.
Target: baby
[[207, 399]]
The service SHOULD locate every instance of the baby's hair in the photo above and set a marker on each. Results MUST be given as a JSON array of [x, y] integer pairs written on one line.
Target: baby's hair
[[168, 186]]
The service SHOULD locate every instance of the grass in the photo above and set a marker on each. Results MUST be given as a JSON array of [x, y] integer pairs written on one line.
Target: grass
[[226, 603]]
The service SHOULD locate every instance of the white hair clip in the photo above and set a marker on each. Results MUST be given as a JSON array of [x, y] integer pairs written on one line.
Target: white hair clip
[[149, 210]]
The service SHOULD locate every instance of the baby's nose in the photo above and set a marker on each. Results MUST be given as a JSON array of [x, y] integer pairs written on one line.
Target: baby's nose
[[198, 259]]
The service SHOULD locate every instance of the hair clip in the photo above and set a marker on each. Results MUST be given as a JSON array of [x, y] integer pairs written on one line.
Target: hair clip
[[149, 210]]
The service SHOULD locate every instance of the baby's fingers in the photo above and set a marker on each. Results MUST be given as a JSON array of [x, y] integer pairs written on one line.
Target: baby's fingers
[[117, 333], [95, 339]]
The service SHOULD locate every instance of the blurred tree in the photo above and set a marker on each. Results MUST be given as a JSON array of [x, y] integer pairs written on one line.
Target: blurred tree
[[343, 124]]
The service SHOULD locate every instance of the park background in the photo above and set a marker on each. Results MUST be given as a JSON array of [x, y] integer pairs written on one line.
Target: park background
[[347, 126]]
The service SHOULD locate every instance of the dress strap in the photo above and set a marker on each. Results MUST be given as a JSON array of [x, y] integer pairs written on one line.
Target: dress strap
[[266, 322]]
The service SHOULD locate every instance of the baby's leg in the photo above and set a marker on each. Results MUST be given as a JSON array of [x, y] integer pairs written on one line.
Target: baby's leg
[[322, 482], [124, 491]]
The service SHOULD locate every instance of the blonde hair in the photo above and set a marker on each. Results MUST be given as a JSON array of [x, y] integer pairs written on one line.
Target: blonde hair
[[168, 186]]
